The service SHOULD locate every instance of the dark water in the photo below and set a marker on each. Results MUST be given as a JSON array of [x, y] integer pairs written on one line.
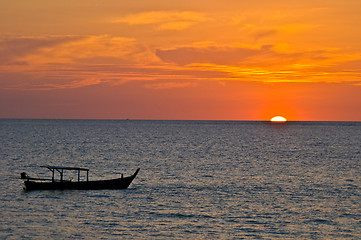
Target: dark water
[[198, 180]]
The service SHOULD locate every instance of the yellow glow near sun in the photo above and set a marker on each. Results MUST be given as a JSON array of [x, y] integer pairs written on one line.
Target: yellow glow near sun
[[278, 119]]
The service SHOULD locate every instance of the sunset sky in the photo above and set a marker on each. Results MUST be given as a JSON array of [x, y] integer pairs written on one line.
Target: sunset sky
[[157, 59]]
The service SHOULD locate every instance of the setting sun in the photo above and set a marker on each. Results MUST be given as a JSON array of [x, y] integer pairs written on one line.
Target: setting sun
[[278, 119]]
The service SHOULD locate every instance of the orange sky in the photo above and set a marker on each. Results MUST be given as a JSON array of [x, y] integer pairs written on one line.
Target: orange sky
[[156, 59]]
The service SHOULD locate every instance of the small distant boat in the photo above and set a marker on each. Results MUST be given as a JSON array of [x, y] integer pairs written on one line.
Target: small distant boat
[[61, 184]]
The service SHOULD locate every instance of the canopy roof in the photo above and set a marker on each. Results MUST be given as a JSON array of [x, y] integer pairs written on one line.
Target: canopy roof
[[65, 168]]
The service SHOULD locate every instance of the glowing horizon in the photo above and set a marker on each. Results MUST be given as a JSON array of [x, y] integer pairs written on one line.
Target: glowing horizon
[[211, 60]]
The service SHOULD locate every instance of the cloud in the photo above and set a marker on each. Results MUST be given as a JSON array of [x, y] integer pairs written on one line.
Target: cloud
[[266, 63], [49, 50], [13, 49], [58, 62], [213, 55], [66, 62], [164, 20], [348, 66], [170, 84], [93, 49], [264, 33], [261, 32], [263, 56], [72, 84]]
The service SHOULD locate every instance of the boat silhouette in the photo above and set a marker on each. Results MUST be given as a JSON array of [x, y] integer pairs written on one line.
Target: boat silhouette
[[61, 184]]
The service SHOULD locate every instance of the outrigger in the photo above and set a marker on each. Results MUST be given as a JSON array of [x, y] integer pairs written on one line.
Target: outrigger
[[61, 184]]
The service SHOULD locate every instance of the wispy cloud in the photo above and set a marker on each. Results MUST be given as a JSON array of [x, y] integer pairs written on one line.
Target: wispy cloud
[[58, 62], [164, 20], [170, 84], [267, 63], [232, 55], [265, 31], [65, 62], [14, 49]]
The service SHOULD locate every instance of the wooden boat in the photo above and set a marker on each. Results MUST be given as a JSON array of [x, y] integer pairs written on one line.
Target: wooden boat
[[61, 184]]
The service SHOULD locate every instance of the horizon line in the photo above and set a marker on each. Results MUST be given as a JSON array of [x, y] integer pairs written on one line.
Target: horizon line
[[146, 119]]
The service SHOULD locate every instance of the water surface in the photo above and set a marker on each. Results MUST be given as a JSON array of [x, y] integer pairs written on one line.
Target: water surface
[[198, 179]]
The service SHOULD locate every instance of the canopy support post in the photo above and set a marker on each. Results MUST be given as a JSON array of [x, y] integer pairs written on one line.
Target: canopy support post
[[61, 173]]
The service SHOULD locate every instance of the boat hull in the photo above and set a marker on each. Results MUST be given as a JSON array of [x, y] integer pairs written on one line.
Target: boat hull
[[118, 183]]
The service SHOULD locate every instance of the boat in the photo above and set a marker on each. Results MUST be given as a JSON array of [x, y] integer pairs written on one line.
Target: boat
[[62, 184]]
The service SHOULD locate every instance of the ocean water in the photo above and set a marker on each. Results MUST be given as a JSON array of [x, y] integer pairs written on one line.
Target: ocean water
[[198, 180]]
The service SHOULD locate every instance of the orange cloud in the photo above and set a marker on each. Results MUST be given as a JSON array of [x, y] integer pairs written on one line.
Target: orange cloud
[[13, 50], [59, 62], [164, 20], [94, 49], [55, 62], [215, 55], [261, 31], [264, 56], [168, 85], [267, 63]]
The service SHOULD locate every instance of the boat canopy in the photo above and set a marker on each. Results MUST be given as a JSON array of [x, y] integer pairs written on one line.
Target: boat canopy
[[60, 170], [65, 168]]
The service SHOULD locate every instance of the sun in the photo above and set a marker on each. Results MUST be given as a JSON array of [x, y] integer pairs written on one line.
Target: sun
[[278, 119]]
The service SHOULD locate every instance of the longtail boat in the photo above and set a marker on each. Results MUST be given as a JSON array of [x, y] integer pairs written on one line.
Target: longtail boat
[[61, 183]]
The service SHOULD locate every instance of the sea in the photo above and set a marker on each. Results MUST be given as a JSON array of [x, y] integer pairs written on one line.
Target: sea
[[197, 179]]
